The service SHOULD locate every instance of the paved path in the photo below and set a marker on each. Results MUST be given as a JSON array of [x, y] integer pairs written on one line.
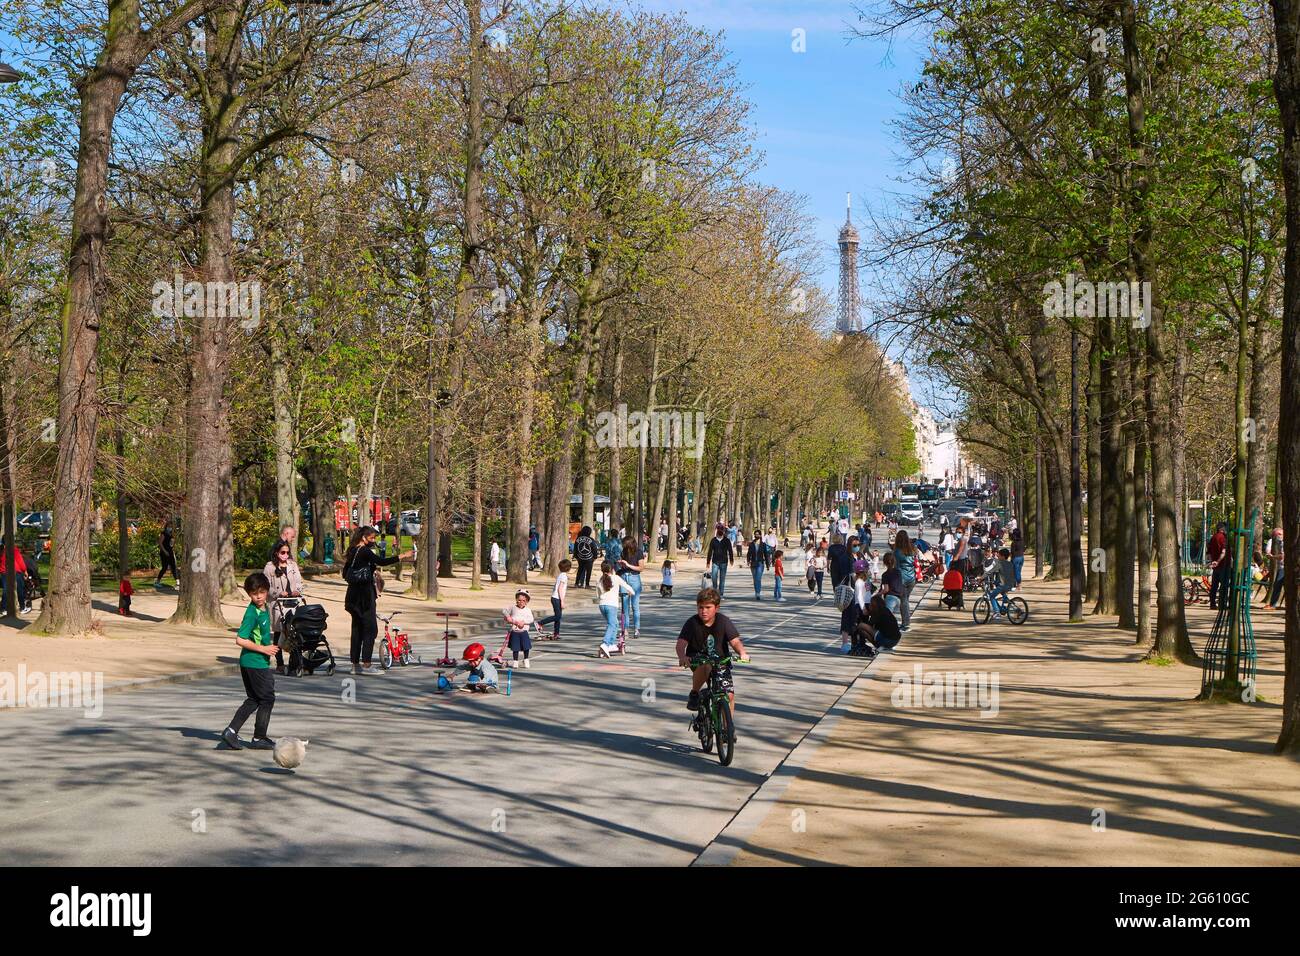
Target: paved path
[[1082, 728], [587, 761]]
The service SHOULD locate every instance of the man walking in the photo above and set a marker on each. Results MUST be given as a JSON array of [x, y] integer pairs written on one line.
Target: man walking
[[720, 557], [1221, 565]]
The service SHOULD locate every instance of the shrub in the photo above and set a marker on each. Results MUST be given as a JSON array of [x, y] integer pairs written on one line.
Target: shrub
[[142, 547], [255, 534]]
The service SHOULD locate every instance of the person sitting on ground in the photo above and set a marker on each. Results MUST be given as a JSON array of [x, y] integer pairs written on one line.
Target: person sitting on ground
[[482, 675]]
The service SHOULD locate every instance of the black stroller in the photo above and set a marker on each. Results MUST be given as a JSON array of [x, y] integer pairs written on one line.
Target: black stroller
[[302, 634]]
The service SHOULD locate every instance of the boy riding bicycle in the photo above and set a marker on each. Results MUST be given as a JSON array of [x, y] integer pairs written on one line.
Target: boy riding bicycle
[[708, 622], [1002, 575]]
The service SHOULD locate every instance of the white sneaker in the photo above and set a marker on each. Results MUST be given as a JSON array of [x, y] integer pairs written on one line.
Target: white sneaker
[[527, 664], [602, 651], [636, 632]]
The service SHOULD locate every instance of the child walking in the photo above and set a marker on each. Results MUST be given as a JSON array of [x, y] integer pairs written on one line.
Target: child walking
[[778, 570], [558, 594], [256, 651], [124, 593], [608, 596], [666, 585]]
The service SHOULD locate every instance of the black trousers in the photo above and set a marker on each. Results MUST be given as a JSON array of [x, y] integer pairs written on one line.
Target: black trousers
[[259, 685], [1221, 583], [555, 617], [168, 561], [364, 631], [583, 579]]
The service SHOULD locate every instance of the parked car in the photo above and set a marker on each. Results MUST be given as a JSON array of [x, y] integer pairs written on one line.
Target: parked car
[[39, 520], [410, 523]]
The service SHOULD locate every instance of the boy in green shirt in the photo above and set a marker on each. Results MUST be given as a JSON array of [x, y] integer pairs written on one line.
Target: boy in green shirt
[[256, 650]]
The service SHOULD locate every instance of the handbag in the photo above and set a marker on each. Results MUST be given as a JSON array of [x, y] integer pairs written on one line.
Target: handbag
[[844, 596], [359, 573]]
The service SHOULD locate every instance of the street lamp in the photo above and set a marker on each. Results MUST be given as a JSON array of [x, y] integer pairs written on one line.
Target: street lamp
[[8, 74]]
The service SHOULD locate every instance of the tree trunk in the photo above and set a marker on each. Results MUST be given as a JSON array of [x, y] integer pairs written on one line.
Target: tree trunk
[[1142, 537], [286, 492], [1171, 626], [1286, 21], [1095, 578], [66, 609], [209, 471]]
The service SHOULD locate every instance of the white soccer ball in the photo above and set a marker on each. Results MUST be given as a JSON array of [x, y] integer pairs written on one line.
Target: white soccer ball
[[289, 752]]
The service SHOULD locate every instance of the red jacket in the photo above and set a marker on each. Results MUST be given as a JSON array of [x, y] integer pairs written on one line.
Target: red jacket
[[1218, 544], [19, 564]]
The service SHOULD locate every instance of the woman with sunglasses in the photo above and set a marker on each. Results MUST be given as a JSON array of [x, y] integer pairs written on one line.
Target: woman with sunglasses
[[286, 581]]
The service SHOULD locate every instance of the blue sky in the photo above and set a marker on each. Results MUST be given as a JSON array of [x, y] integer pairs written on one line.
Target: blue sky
[[822, 117]]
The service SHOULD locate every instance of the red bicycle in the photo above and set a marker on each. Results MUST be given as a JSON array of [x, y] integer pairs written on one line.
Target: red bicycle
[[395, 645]]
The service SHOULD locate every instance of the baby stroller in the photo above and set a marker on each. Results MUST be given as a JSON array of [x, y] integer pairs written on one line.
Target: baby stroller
[[302, 634]]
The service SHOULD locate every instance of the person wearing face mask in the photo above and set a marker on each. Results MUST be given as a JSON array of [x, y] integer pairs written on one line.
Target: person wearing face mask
[[286, 581]]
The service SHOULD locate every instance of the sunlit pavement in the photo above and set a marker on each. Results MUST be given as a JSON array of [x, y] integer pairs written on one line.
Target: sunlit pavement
[[586, 761]]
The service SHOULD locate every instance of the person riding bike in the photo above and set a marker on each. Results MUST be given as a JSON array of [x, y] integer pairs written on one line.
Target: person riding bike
[[706, 622]]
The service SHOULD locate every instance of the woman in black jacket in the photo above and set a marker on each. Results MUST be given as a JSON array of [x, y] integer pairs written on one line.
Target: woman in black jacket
[[359, 572]]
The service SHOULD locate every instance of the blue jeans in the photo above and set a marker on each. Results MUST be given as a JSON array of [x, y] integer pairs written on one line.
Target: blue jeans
[[611, 625], [776, 588], [719, 577], [1018, 562], [632, 619], [757, 571]]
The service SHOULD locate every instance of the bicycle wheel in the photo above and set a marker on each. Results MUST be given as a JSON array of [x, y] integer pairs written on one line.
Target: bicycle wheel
[[385, 655], [1190, 587], [726, 732], [704, 726], [982, 610], [1017, 610]]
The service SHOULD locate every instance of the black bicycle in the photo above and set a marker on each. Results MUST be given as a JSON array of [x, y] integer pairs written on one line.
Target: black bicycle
[[712, 721]]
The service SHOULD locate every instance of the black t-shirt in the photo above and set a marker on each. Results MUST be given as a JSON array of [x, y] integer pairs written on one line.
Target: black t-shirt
[[696, 634], [894, 579]]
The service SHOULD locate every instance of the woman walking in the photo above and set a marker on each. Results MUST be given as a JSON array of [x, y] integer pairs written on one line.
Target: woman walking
[[286, 581], [905, 561], [629, 569], [1017, 551], [359, 572], [168, 555]]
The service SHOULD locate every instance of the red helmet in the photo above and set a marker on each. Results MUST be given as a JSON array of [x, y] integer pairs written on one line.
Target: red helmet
[[475, 652]]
